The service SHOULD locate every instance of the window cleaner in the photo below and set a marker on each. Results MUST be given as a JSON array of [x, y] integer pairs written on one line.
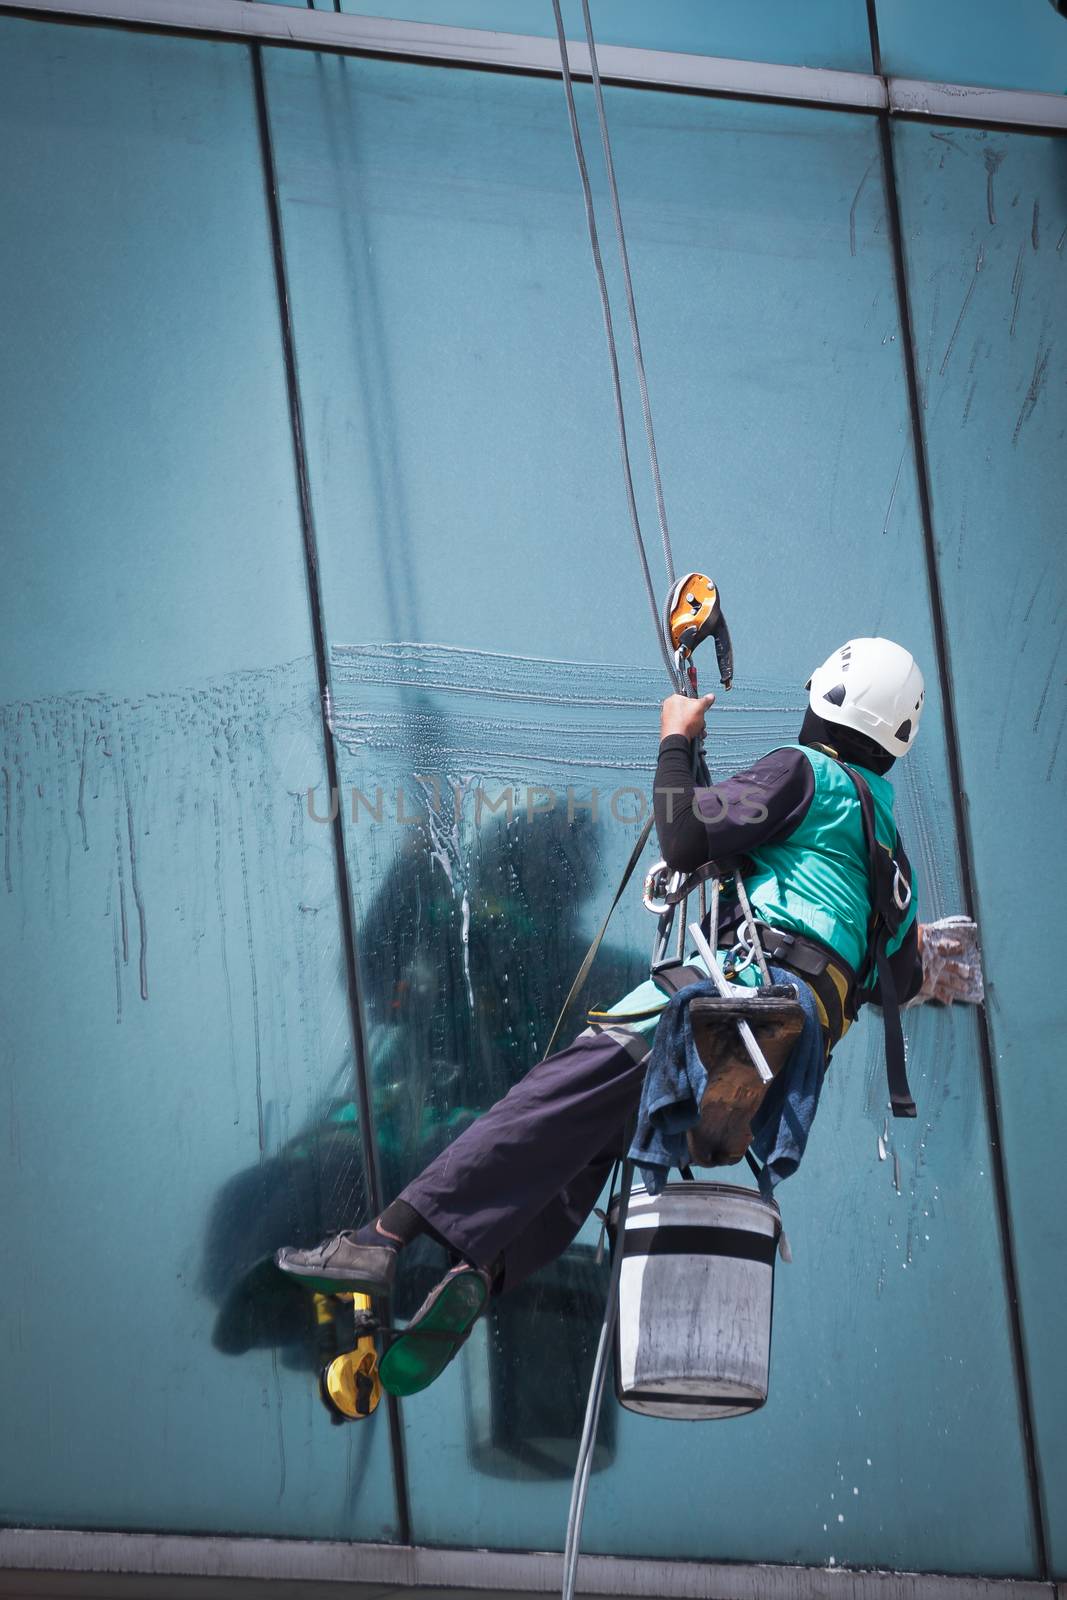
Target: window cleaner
[[512, 1191], [828, 916], [829, 906]]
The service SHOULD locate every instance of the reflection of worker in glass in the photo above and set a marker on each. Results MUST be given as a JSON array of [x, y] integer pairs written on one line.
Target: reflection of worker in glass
[[512, 1191], [450, 1024], [457, 973]]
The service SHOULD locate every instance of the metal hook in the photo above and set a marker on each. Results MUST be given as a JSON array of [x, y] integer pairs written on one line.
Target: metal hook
[[660, 881]]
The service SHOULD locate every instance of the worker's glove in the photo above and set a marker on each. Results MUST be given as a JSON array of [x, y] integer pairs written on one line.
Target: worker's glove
[[952, 967]]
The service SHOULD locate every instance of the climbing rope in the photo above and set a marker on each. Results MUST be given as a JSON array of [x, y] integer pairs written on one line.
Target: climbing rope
[[609, 328], [680, 681], [583, 1467], [749, 925], [631, 305], [587, 1445]]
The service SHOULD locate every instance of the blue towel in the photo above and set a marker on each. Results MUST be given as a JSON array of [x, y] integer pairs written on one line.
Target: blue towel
[[672, 1091], [783, 1122], [674, 1086]]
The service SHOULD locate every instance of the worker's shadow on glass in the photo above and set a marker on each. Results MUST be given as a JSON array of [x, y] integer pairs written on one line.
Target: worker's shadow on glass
[[464, 967]]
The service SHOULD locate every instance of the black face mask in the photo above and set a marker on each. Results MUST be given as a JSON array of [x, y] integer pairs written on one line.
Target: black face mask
[[855, 748]]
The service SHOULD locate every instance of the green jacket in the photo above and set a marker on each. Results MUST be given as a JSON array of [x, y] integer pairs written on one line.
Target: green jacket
[[816, 880]]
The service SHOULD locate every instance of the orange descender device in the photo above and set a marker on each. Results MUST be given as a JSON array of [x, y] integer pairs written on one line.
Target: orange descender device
[[692, 614]]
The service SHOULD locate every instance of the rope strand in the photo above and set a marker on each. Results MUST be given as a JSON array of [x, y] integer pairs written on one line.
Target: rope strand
[[631, 304], [605, 306]]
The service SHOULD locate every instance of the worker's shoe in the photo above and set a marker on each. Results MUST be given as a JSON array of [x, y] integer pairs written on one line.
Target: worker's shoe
[[343, 1264], [437, 1330]]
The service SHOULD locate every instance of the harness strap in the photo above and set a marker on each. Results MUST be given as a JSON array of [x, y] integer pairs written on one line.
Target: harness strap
[[828, 976], [671, 976], [760, 1174], [599, 1018], [895, 1061], [900, 1096], [709, 871]]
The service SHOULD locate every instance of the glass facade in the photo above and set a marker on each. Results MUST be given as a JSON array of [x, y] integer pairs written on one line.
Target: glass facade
[[823, 33], [174, 1012], [180, 1082], [986, 232], [1022, 45]]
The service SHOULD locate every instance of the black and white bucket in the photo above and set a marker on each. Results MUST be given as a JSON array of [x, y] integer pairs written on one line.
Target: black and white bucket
[[696, 1294]]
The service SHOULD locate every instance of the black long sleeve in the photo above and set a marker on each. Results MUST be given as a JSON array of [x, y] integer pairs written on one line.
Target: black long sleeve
[[762, 804]]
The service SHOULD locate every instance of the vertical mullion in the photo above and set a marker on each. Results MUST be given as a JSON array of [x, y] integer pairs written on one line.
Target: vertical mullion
[[314, 584], [963, 837]]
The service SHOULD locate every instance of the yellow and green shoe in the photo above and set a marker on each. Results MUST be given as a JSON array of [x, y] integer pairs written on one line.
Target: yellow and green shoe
[[437, 1330]]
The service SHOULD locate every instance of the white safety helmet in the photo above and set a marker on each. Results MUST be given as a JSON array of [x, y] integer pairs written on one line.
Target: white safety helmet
[[874, 687]]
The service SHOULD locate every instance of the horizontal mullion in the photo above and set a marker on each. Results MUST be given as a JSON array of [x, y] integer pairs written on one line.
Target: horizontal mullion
[[960, 102], [347, 32], [227, 1561]]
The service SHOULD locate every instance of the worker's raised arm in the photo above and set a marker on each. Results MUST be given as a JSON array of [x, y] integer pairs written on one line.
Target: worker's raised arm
[[765, 802]]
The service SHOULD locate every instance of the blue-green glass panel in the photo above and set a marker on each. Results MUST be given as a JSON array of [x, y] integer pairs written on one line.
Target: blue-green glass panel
[[986, 236], [1017, 45], [824, 33], [173, 1024], [488, 629]]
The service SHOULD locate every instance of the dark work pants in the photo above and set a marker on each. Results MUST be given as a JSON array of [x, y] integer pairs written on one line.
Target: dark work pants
[[521, 1180]]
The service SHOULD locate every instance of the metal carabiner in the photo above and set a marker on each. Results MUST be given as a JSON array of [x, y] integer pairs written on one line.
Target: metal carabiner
[[660, 881], [731, 966], [901, 901]]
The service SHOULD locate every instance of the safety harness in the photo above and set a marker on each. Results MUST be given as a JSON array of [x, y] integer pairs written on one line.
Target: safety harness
[[830, 978], [839, 990]]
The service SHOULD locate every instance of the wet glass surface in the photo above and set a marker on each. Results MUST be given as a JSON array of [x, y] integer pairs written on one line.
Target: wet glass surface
[[986, 237], [173, 1027], [178, 1094]]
